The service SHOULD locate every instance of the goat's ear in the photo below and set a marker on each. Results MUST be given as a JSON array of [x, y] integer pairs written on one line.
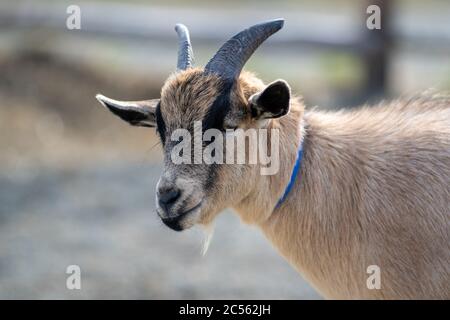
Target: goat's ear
[[136, 113], [272, 102]]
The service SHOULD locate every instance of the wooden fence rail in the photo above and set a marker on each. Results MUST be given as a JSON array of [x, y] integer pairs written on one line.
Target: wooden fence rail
[[306, 30]]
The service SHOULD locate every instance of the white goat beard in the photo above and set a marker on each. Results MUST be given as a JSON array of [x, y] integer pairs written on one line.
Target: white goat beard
[[208, 231]]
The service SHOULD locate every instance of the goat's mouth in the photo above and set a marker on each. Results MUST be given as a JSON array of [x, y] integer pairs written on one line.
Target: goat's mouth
[[183, 220]]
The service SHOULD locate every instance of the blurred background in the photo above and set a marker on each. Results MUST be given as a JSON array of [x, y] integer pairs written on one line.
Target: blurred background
[[77, 185]]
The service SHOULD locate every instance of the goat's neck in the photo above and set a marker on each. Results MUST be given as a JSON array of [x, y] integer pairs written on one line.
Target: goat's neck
[[305, 229], [266, 190]]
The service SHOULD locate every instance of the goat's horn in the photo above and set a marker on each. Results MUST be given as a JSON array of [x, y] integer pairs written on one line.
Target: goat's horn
[[231, 57], [185, 54]]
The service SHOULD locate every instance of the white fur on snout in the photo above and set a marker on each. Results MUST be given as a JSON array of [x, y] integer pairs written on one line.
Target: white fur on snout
[[191, 196], [192, 218], [191, 193]]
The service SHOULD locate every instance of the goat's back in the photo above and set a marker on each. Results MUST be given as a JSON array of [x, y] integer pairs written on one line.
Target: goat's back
[[379, 178]]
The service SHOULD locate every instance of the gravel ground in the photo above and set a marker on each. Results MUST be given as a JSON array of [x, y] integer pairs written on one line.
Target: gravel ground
[[103, 220]]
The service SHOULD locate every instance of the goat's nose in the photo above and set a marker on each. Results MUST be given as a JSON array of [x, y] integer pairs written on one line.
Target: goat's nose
[[168, 196]]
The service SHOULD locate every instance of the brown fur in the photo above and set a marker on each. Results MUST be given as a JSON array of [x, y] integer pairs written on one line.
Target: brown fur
[[373, 188]]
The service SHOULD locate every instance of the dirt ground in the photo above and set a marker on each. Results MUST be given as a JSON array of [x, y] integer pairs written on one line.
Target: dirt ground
[[77, 188]]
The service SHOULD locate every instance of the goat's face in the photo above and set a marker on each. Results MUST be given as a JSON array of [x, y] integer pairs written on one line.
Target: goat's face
[[196, 100], [192, 192]]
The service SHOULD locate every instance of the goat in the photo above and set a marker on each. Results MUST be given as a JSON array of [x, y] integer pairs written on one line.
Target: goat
[[370, 186]]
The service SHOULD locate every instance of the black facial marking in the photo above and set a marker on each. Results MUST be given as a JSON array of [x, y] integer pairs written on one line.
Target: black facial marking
[[215, 116], [214, 119], [160, 125], [211, 178]]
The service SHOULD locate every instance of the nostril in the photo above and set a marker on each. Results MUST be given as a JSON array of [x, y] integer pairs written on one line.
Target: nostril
[[169, 196]]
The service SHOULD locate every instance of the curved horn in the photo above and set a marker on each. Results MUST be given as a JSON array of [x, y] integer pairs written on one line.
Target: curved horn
[[185, 54], [231, 57]]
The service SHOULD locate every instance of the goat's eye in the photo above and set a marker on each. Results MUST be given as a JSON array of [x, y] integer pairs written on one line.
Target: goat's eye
[[230, 127]]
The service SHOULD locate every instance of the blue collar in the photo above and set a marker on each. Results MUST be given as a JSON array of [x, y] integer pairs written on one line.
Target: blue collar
[[294, 174]]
